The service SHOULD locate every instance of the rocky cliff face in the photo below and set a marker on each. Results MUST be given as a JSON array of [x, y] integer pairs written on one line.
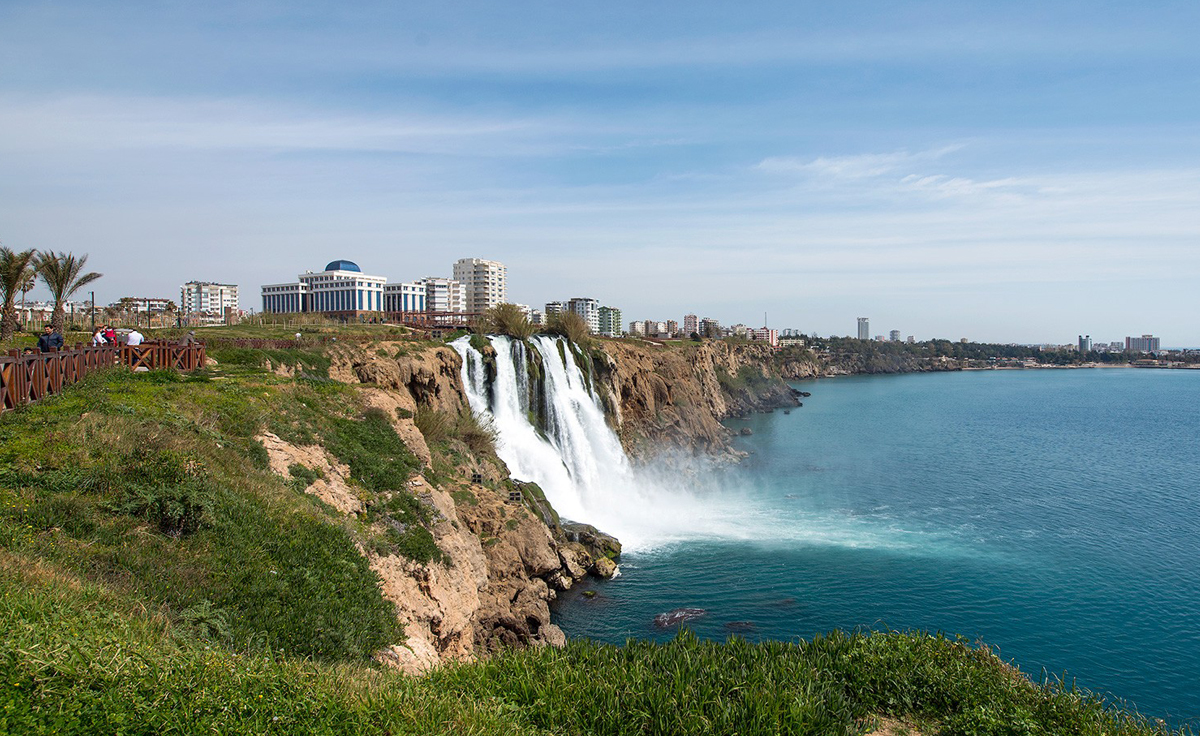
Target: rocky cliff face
[[506, 554], [670, 398], [505, 559]]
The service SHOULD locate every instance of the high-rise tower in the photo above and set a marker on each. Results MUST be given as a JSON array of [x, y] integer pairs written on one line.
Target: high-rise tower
[[485, 283]]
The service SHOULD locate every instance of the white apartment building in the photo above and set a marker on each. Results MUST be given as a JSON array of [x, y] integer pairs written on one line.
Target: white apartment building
[[553, 308], [444, 295], [208, 298], [484, 283], [588, 310], [637, 327], [409, 297], [691, 325]]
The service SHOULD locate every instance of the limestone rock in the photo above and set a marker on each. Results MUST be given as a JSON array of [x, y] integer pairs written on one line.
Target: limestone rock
[[333, 488], [604, 567]]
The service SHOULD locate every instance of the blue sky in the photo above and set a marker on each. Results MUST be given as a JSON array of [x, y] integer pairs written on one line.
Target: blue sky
[[1010, 171]]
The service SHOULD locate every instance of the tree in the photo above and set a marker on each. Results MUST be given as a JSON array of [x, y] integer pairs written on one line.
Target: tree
[[63, 275], [29, 283], [15, 270]]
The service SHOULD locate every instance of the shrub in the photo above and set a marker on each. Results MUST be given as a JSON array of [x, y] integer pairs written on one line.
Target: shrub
[[303, 476], [505, 319], [434, 425], [165, 488], [477, 433], [570, 326]]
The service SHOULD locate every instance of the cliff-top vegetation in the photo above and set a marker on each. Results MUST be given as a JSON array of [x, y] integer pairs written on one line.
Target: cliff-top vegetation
[[157, 577]]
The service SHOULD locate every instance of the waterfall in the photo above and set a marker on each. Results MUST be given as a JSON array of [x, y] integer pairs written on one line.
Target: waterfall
[[555, 434]]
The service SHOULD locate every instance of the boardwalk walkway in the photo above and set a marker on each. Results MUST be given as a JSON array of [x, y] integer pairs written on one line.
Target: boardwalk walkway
[[27, 378]]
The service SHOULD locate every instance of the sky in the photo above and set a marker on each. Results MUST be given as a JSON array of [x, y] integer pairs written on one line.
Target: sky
[[1003, 171]]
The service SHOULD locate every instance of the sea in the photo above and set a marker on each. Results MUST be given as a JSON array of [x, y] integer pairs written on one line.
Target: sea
[[1052, 514]]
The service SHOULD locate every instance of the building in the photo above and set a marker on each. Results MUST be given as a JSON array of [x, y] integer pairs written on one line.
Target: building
[[864, 328], [342, 289], [637, 328], [284, 298], [484, 283], [408, 297], [609, 322], [208, 299], [791, 341], [553, 308], [1085, 343], [911, 340], [443, 295], [894, 335], [691, 325], [672, 328], [710, 328], [588, 310], [1143, 344], [143, 305], [769, 336]]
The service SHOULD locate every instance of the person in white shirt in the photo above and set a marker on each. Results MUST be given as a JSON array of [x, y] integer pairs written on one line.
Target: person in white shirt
[[98, 337], [134, 338]]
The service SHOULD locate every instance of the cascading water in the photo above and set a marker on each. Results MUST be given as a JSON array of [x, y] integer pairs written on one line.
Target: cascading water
[[574, 455]]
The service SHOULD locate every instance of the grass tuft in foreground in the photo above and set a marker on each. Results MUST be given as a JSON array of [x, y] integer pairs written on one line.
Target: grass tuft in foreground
[[79, 658]]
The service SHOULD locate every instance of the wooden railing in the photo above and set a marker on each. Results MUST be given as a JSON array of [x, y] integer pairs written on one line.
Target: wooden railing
[[27, 378]]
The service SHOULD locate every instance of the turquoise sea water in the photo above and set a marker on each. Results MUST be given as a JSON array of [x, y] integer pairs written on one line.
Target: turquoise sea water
[[1053, 514]]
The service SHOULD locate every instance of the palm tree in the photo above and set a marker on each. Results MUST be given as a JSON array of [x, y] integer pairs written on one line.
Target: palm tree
[[30, 282], [62, 273], [15, 269]]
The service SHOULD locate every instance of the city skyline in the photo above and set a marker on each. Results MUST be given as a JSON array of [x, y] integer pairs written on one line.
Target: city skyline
[[1009, 173]]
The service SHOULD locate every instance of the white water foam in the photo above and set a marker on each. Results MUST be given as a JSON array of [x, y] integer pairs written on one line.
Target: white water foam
[[581, 466], [579, 462]]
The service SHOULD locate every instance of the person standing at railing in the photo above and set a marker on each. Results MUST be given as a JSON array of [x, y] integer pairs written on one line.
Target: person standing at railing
[[188, 340], [110, 335], [134, 338], [49, 340], [98, 338]]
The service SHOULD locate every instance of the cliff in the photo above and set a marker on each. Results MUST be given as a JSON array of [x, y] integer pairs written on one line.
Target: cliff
[[505, 560], [673, 398]]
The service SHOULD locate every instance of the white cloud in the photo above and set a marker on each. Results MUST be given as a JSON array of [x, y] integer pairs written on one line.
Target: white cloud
[[857, 166]]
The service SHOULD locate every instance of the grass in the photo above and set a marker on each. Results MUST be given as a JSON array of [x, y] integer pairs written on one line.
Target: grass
[[505, 319], [570, 326], [153, 484], [78, 658]]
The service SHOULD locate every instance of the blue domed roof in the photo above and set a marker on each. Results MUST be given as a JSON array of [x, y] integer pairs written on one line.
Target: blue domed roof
[[343, 266]]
